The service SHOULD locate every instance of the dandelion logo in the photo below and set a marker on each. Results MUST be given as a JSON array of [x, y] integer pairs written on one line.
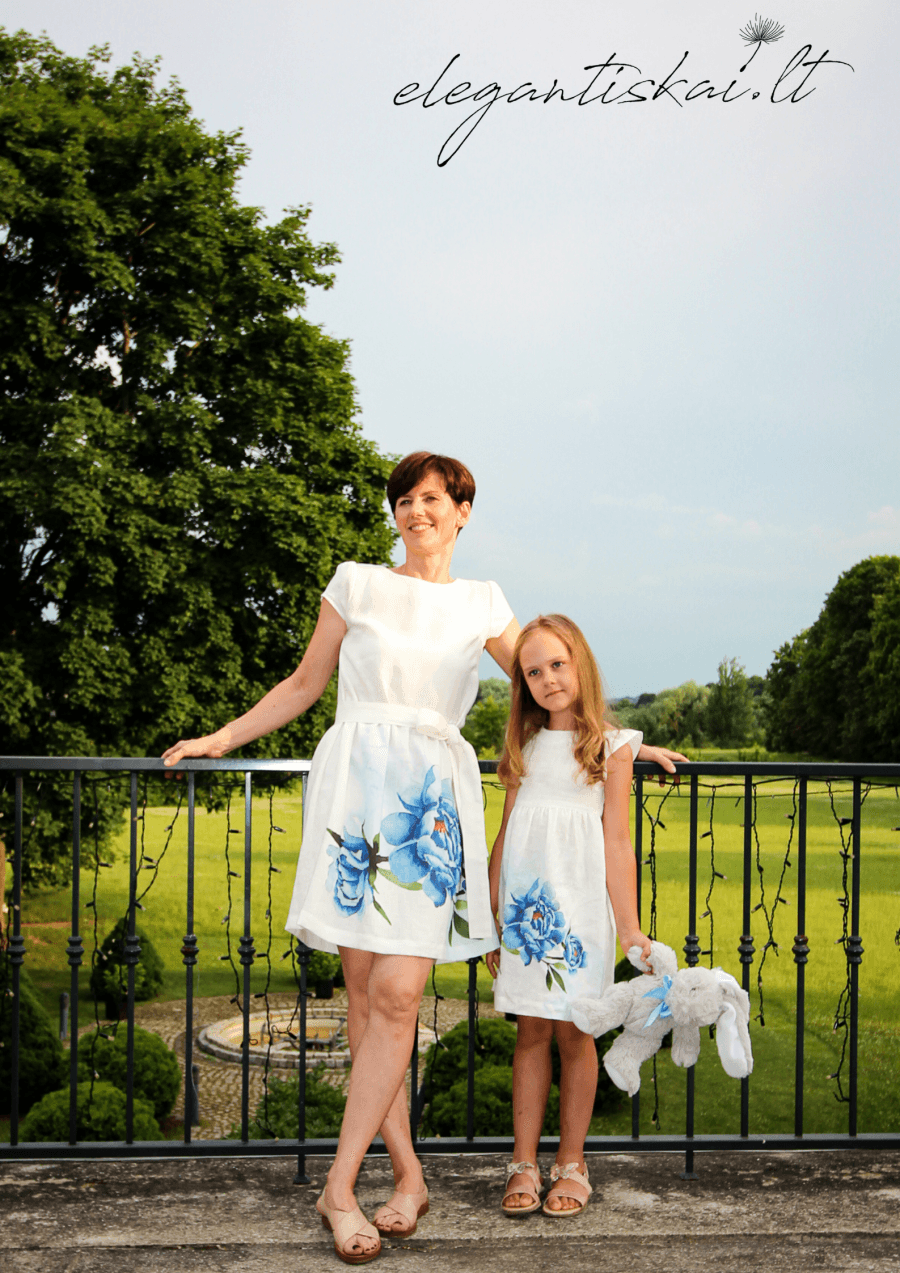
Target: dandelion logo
[[758, 32]]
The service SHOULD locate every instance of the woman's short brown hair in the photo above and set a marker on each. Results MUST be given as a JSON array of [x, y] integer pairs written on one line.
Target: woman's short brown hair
[[411, 470]]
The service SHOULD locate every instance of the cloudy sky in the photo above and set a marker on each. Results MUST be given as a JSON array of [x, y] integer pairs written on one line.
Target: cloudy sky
[[658, 329]]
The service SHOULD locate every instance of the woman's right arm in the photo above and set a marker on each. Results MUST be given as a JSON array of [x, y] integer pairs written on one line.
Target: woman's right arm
[[289, 699]]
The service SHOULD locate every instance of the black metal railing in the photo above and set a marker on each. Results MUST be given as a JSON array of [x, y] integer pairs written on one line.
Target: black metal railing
[[743, 778]]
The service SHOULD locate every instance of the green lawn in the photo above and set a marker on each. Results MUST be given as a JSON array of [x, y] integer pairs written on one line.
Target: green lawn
[[47, 921]]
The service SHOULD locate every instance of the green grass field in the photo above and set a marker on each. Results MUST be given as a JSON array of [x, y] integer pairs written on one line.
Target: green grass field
[[46, 925]]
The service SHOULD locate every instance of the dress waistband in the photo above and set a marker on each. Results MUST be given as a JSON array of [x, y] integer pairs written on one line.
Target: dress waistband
[[422, 719]]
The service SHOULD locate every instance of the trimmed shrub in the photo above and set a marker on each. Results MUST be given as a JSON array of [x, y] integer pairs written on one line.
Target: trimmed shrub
[[157, 1074], [42, 1059], [109, 976], [445, 1061], [277, 1117], [495, 1044], [101, 1116], [446, 1115]]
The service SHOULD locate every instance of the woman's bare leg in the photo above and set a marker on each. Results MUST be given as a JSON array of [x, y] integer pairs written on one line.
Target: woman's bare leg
[[531, 1085], [395, 1130], [395, 986], [577, 1089]]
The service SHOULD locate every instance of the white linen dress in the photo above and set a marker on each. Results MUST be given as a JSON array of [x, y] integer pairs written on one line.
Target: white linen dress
[[559, 932], [393, 857]]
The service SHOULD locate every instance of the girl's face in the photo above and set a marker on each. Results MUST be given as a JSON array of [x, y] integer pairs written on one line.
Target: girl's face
[[427, 517], [549, 672]]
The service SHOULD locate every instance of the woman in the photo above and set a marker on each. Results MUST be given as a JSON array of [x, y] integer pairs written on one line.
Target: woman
[[393, 866]]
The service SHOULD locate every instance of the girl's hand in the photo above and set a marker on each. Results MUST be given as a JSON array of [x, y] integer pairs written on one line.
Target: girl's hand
[[637, 938], [663, 757], [213, 745], [492, 959]]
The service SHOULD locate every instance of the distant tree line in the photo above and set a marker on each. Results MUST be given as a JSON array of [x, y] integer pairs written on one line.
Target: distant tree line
[[831, 692]]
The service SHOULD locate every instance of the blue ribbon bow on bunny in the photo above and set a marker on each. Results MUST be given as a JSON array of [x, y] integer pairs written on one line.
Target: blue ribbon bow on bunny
[[662, 1009], [687, 998]]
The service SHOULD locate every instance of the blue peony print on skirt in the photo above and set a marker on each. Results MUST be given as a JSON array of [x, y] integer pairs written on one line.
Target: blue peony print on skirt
[[534, 928], [428, 837], [427, 854]]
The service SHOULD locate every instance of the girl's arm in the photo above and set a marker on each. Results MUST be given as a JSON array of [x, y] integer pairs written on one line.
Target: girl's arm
[[288, 699], [492, 958], [661, 756], [621, 871]]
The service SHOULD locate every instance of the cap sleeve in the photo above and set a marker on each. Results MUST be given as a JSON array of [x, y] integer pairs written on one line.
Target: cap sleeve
[[337, 593], [501, 614], [616, 738]]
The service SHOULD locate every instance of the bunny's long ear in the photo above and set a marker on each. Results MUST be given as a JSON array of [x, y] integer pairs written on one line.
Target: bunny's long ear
[[732, 1035]]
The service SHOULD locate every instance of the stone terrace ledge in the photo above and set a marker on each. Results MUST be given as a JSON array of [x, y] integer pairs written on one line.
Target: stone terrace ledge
[[753, 1212]]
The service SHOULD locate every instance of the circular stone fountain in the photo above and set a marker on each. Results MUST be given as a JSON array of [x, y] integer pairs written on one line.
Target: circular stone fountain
[[276, 1035]]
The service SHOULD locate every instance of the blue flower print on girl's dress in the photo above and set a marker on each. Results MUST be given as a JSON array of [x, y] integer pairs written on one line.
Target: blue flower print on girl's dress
[[533, 923], [534, 928], [429, 840], [574, 953]]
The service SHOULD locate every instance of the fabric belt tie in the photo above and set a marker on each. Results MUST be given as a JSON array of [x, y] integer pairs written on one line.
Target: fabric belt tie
[[466, 788]]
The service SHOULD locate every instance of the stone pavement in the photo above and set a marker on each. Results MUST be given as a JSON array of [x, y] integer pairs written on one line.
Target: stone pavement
[[753, 1212]]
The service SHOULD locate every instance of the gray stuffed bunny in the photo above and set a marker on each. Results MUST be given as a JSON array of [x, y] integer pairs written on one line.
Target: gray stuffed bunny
[[681, 1000]]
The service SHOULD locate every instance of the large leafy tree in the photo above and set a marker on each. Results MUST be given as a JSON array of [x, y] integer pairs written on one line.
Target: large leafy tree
[[182, 465], [834, 690]]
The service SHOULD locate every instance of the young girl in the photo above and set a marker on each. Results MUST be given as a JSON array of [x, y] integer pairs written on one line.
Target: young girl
[[563, 884]]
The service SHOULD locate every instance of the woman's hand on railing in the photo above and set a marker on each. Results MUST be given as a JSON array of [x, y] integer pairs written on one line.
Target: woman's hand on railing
[[212, 745], [663, 757]]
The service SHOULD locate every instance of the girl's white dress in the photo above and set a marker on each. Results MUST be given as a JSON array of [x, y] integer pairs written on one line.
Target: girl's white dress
[[393, 857], [559, 932]]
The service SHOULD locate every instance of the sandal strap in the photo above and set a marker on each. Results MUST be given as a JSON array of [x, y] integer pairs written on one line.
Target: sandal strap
[[406, 1205], [520, 1168], [570, 1172], [350, 1225]]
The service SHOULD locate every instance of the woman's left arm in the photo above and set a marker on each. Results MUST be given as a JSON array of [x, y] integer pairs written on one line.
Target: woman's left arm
[[501, 648], [621, 869]]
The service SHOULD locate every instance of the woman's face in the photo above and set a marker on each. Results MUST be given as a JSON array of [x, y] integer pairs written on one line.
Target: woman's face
[[427, 517]]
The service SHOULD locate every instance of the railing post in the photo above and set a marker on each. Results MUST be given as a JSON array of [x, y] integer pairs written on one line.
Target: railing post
[[470, 1055], [189, 959], [16, 959], [855, 954], [639, 859], [132, 955], [692, 957], [801, 957], [74, 951], [247, 953], [746, 947], [301, 1177], [414, 1086]]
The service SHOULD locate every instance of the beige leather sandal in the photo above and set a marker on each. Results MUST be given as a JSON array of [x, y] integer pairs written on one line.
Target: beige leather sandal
[[575, 1186], [528, 1181], [347, 1225], [409, 1206]]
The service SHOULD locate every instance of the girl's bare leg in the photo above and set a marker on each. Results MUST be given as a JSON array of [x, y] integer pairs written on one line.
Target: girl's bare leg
[[395, 986], [531, 1085], [577, 1088], [395, 1130]]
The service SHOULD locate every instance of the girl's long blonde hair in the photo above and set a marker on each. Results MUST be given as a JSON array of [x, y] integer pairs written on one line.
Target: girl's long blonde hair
[[526, 718]]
